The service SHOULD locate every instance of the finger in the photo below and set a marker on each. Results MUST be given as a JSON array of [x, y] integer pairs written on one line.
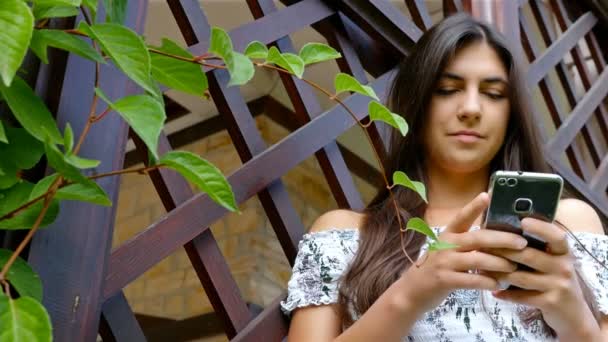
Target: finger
[[524, 280], [481, 261], [531, 257], [467, 215], [459, 280], [526, 297], [485, 239], [556, 239]]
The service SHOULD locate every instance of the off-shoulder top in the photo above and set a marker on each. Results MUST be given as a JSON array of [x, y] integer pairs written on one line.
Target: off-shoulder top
[[324, 256]]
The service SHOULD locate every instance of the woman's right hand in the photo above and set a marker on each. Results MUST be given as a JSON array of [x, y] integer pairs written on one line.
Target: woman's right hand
[[441, 272]]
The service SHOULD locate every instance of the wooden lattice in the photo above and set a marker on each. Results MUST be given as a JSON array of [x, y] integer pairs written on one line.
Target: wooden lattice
[[84, 279]]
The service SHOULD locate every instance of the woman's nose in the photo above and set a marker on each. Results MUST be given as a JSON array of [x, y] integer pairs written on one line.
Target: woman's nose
[[471, 106]]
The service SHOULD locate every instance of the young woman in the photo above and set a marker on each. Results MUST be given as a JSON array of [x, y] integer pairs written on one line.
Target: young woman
[[460, 92]]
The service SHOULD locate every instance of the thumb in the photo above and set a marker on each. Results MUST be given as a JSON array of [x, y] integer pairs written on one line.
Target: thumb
[[467, 215]]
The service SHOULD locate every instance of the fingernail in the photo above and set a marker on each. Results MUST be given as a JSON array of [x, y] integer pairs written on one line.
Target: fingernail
[[521, 243]]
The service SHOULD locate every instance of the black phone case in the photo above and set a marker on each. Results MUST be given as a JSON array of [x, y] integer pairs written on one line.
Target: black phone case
[[542, 189]]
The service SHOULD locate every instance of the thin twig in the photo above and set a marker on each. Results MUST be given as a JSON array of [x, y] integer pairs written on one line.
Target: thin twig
[[142, 170], [30, 234]]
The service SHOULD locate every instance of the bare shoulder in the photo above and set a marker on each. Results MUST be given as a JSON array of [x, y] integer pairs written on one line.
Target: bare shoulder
[[338, 219], [578, 216]]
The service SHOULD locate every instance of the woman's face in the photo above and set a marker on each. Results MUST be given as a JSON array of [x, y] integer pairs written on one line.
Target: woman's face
[[468, 112]]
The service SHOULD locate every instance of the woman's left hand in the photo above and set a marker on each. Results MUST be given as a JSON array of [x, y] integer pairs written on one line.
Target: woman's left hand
[[552, 286]]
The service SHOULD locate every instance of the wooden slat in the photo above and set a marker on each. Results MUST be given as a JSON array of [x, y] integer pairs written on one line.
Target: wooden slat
[[451, 7], [270, 325], [243, 130], [71, 254], [335, 32], [419, 13], [118, 322], [577, 55], [591, 140], [155, 243], [556, 52], [398, 32], [552, 100], [266, 30], [580, 114], [307, 107], [599, 182], [203, 251]]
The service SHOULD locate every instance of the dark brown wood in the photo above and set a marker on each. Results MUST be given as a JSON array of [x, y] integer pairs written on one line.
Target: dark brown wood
[[591, 141], [118, 323], [155, 243], [70, 255], [601, 114], [555, 52], [270, 325], [580, 115], [419, 13], [306, 108], [552, 100], [452, 6]]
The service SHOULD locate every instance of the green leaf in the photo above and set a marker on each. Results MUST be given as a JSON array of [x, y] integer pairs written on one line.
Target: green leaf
[[13, 198], [418, 224], [68, 138], [256, 49], [345, 82], [92, 6], [400, 178], [42, 39], [30, 111], [81, 163], [377, 112], [3, 134], [42, 12], [74, 3], [144, 114], [90, 192], [126, 49], [317, 52], [180, 75], [116, 10], [440, 245], [21, 153], [24, 319], [288, 61], [22, 276], [240, 68], [58, 161], [85, 192], [204, 175], [17, 24], [220, 44]]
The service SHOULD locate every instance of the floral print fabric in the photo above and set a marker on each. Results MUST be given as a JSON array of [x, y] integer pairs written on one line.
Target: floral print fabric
[[324, 256]]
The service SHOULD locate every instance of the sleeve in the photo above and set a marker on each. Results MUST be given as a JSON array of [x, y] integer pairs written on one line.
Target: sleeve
[[322, 258], [594, 272]]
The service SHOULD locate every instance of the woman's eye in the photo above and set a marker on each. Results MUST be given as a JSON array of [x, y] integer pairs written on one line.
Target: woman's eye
[[445, 91], [495, 96]]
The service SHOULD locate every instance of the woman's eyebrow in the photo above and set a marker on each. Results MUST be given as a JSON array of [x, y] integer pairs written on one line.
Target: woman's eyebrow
[[493, 79]]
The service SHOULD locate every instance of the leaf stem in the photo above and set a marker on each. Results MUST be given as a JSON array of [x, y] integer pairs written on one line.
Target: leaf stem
[[47, 203], [199, 60], [141, 170]]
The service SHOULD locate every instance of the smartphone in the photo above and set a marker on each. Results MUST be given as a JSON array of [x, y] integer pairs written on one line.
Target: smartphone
[[515, 195]]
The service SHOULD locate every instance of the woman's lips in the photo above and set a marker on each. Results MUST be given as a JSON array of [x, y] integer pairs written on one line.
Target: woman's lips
[[467, 137]]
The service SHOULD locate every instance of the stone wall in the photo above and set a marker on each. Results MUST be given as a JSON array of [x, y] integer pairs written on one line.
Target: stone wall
[[171, 289]]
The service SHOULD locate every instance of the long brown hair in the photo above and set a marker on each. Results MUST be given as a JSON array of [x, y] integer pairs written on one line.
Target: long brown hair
[[380, 260]]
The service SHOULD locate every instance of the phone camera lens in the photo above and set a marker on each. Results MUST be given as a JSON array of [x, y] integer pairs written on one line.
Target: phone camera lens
[[512, 182], [523, 205], [502, 181]]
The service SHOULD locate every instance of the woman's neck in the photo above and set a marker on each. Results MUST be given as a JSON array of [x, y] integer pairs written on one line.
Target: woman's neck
[[448, 192]]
